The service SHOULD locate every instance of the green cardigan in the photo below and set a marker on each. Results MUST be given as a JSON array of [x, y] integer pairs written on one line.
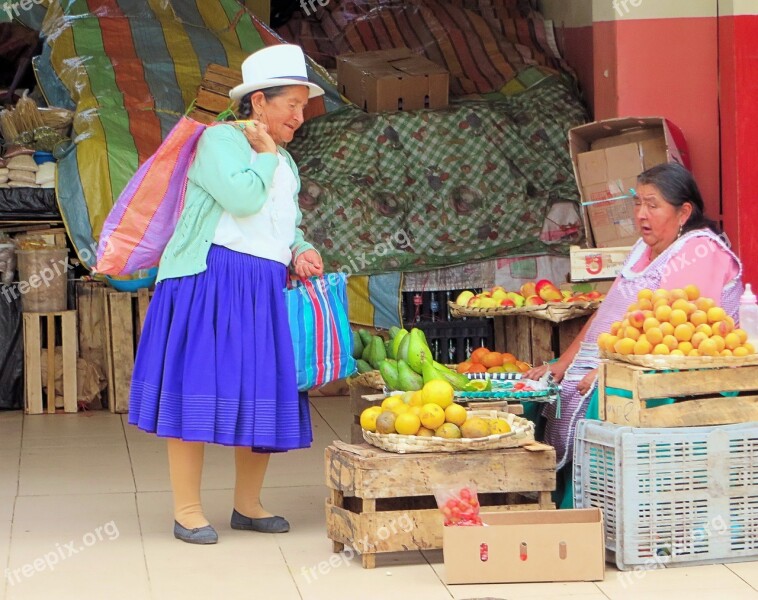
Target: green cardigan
[[222, 177]]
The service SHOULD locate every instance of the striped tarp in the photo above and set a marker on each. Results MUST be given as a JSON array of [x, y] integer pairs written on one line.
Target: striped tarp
[[482, 43], [130, 69]]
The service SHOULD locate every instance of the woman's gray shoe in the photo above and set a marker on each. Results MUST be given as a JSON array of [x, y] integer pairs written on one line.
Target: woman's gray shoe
[[198, 535], [263, 525]]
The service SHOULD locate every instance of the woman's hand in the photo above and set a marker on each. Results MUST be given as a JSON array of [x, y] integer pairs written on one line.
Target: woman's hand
[[308, 264], [258, 137], [557, 369], [585, 384]]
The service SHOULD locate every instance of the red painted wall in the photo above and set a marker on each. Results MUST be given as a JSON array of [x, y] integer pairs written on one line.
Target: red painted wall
[[576, 45], [739, 137], [669, 68]]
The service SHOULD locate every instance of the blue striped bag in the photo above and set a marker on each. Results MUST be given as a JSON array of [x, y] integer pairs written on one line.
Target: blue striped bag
[[321, 335]]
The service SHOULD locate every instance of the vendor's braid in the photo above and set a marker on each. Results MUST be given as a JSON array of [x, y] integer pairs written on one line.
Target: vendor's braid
[[245, 110]]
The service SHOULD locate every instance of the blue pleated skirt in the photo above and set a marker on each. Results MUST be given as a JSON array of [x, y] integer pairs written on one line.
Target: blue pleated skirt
[[215, 361]]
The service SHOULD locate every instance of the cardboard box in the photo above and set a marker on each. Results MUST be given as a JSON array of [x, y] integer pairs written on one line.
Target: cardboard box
[[597, 263], [392, 80], [527, 546], [607, 157]]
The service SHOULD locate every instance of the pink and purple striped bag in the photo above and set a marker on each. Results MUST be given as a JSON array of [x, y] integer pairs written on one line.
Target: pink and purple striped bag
[[142, 221], [321, 335]]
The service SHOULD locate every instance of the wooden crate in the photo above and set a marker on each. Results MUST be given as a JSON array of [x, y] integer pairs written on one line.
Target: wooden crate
[[697, 395], [535, 341], [124, 318], [90, 318], [383, 502], [360, 403], [57, 324], [213, 92]]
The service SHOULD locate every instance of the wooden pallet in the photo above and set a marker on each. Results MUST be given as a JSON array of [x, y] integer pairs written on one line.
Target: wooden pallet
[[697, 395], [373, 492], [64, 325], [90, 316], [535, 341], [124, 318]]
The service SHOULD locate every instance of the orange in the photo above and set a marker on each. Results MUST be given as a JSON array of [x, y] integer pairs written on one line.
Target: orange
[[492, 359], [438, 392], [477, 368], [522, 366], [508, 358], [407, 424], [692, 292], [476, 355], [463, 367], [432, 416]]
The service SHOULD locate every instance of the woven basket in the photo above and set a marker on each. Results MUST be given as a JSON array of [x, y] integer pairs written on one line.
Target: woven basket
[[521, 434], [59, 119], [372, 379], [557, 312], [663, 362]]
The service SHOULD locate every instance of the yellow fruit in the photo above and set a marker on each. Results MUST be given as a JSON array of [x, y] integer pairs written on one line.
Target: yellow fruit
[[663, 313], [498, 426], [645, 294], [432, 416], [632, 333], [438, 392], [615, 326], [649, 323], [667, 329], [642, 346], [732, 341], [464, 297], [749, 346], [424, 432], [706, 329], [692, 292], [698, 317], [415, 410], [726, 352], [456, 414], [654, 335], [624, 346], [407, 424], [708, 348], [678, 316], [400, 409], [417, 399], [684, 305], [704, 304], [740, 351], [448, 431], [719, 341], [693, 352], [686, 347], [475, 427], [670, 341], [391, 401], [722, 328], [602, 339], [610, 345], [661, 349], [683, 332], [698, 338], [677, 294], [716, 313], [660, 294], [385, 422], [676, 352], [368, 418], [742, 334]]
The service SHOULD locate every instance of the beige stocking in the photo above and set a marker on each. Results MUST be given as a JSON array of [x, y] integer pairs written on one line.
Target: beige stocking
[[185, 464], [251, 469]]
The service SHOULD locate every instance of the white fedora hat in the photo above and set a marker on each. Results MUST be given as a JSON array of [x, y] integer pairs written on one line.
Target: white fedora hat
[[282, 64]]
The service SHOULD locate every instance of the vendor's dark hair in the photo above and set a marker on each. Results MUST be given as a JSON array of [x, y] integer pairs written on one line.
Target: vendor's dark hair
[[245, 109], [677, 186]]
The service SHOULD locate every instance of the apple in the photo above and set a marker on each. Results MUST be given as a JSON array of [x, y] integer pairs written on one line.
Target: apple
[[498, 288], [464, 298], [500, 294], [550, 293], [507, 302], [534, 301], [542, 283], [594, 295], [528, 289], [518, 299]]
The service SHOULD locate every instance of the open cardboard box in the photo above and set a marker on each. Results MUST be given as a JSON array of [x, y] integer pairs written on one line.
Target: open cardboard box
[[607, 157], [527, 546], [392, 80]]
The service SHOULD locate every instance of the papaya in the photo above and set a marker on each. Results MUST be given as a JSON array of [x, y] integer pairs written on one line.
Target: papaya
[[357, 345], [388, 369], [363, 366], [408, 380], [365, 336], [378, 353]]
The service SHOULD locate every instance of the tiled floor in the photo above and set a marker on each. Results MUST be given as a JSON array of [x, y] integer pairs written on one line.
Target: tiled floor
[[85, 513]]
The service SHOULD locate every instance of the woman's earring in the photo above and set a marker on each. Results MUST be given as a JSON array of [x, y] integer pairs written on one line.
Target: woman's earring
[[678, 235]]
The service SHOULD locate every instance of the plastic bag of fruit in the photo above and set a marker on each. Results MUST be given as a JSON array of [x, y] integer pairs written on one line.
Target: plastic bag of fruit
[[459, 504]]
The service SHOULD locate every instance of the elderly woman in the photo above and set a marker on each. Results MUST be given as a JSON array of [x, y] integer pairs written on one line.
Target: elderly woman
[[215, 362], [678, 246]]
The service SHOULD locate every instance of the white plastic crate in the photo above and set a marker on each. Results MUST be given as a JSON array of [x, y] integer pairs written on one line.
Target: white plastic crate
[[670, 497]]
